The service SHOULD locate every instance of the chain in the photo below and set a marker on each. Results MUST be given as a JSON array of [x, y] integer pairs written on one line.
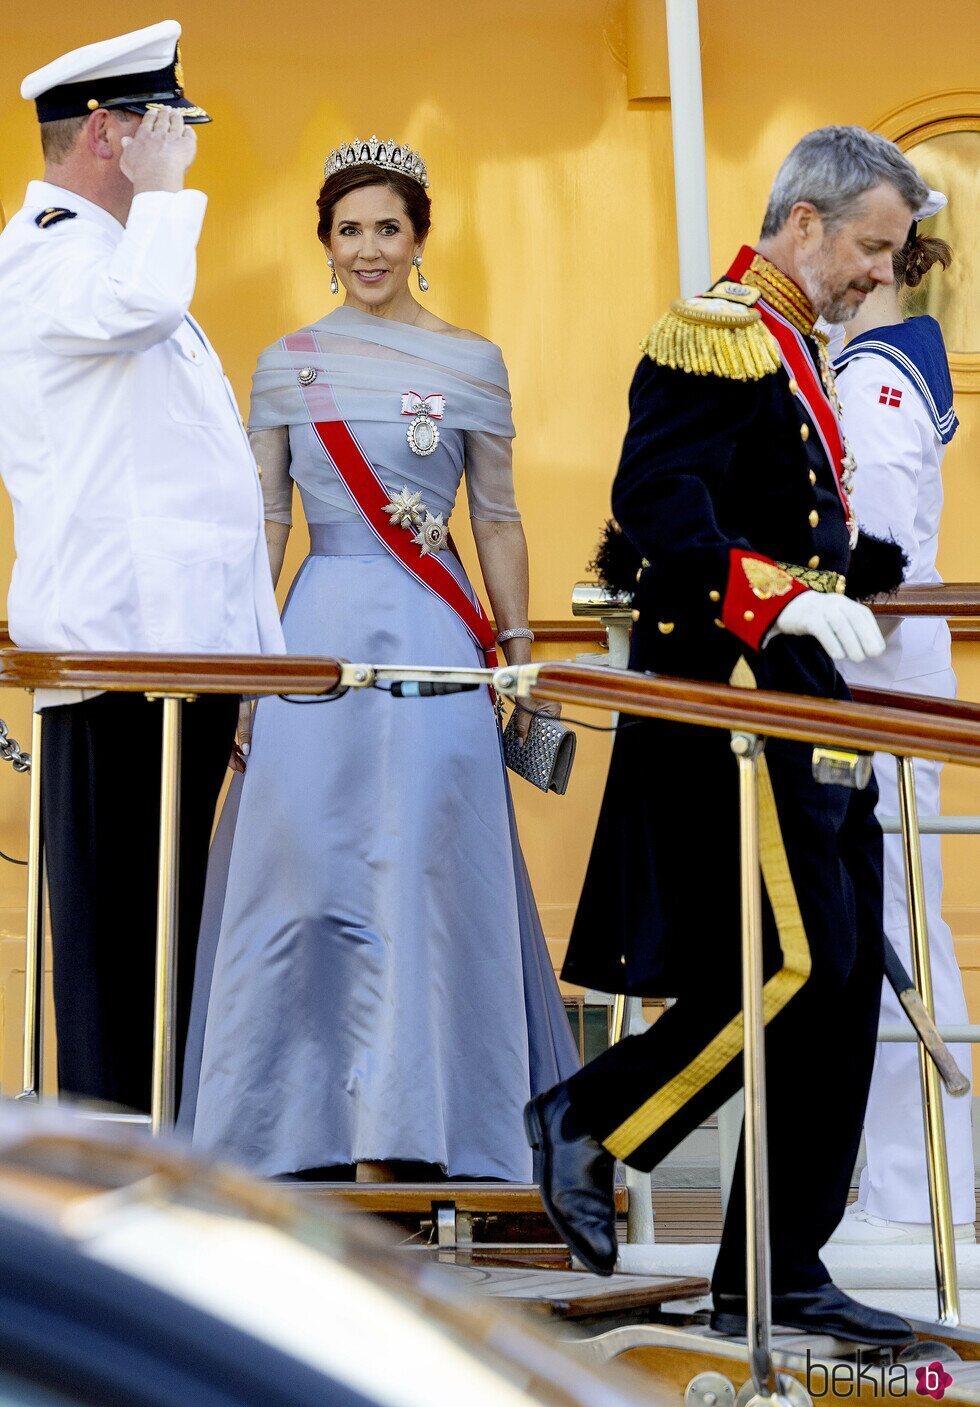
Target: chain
[[10, 751]]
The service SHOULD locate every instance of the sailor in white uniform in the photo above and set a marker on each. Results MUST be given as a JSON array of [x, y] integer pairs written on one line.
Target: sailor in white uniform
[[137, 520], [894, 383]]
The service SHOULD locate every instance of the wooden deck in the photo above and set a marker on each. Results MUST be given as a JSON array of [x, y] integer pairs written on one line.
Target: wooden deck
[[447, 1213], [493, 1240], [687, 1215], [508, 1212]]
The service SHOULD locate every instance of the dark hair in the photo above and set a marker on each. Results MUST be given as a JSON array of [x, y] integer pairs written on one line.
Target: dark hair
[[414, 196], [916, 257]]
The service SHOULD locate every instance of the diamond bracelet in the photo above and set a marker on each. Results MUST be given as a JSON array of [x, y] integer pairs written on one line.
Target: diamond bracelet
[[516, 632]]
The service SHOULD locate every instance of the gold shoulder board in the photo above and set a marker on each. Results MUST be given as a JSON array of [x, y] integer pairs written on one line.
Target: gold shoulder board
[[735, 293], [718, 334]]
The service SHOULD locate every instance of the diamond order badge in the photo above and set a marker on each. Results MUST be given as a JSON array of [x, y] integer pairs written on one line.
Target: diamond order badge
[[405, 509], [432, 533], [423, 433]]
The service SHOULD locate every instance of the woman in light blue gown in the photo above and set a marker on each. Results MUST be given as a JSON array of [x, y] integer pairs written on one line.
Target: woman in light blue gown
[[373, 985]]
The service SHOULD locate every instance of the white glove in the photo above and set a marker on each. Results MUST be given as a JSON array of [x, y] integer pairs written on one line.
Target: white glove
[[843, 627]]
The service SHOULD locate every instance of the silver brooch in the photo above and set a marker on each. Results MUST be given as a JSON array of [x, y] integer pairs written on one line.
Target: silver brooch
[[423, 433], [307, 376], [406, 510]]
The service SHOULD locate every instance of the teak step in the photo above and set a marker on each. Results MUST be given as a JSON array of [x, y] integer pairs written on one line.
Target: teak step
[[545, 1283], [452, 1213]]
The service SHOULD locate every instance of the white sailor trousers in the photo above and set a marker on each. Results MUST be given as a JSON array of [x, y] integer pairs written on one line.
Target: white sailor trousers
[[894, 1183]]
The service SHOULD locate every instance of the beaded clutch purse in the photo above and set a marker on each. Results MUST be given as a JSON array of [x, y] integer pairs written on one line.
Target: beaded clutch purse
[[545, 757]]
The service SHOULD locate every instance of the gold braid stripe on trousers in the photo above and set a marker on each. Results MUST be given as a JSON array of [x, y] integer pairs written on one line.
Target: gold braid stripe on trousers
[[781, 987]]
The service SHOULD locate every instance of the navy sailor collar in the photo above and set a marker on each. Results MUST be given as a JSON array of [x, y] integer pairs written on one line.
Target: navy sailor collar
[[917, 349]]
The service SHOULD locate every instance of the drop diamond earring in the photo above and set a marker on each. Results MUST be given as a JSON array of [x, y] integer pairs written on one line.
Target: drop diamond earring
[[334, 285], [423, 281]]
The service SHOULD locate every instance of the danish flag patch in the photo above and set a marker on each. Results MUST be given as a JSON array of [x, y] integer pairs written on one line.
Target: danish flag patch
[[890, 395]]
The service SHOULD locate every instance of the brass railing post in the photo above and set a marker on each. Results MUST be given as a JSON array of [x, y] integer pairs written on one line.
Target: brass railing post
[[758, 1290], [617, 1023], [940, 1201], [163, 1092], [33, 1045], [640, 1229]]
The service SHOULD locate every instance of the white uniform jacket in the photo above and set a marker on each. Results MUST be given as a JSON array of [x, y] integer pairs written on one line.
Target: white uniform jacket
[[137, 507], [898, 417]]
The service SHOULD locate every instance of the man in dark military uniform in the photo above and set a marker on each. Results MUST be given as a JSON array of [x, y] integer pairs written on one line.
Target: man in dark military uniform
[[733, 491]]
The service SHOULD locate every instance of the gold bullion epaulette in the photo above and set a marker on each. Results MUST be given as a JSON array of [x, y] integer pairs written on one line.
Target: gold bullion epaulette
[[719, 333], [53, 216]]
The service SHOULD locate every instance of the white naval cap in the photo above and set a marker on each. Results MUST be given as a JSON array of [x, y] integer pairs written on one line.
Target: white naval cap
[[135, 72], [933, 203]]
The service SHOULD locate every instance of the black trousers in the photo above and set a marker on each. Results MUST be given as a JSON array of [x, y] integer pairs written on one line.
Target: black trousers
[[819, 1047], [100, 790]]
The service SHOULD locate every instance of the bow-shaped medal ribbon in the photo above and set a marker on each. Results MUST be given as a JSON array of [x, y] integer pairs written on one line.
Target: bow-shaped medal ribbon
[[423, 434]]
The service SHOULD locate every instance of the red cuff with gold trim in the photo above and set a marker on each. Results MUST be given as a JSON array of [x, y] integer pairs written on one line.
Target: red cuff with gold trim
[[757, 591]]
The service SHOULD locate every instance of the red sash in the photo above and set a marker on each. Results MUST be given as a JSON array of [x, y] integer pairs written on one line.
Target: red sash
[[799, 367], [358, 476]]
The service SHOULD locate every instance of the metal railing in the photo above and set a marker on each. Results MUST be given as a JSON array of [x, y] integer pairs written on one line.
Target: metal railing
[[172, 678], [960, 605], [894, 724], [891, 723]]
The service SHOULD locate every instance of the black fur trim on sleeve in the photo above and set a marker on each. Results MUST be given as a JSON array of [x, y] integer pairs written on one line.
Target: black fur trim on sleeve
[[616, 561], [877, 567]]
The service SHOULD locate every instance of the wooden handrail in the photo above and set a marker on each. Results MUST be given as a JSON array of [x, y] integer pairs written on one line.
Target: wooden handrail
[[903, 724], [171, 674], [954, 599], [959, 602], [951, 599]]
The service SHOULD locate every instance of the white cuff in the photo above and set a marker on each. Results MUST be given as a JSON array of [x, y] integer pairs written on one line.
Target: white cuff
[[180, 207]]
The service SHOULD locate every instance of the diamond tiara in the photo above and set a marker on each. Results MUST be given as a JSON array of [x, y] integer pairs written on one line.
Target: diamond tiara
[[388, 155]]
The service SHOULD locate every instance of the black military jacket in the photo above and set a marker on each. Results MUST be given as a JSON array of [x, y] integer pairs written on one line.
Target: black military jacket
[[712, 469], [722, 479]]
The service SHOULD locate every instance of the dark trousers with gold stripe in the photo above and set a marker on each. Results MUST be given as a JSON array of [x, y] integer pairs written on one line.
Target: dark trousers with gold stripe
[[644, 1095]]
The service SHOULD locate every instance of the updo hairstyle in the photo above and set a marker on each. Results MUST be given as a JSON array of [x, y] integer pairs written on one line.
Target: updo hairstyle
[[355, 178], [916, 257]]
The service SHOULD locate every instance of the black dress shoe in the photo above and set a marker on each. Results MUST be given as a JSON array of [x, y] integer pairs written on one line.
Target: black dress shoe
[[824, 1310], [576, 1181]]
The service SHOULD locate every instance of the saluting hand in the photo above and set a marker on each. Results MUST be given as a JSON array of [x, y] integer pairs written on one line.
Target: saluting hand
[[160, 153]]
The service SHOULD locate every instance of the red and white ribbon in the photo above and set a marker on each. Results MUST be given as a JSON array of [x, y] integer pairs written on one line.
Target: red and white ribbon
[[433, 406]]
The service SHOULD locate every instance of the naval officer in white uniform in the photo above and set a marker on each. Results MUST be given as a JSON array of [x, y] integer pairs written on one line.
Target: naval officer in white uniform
[[894, 383], [137, 521]]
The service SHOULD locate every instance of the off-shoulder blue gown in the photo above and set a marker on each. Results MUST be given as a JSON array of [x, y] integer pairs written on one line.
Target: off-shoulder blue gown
[[373, 982]]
